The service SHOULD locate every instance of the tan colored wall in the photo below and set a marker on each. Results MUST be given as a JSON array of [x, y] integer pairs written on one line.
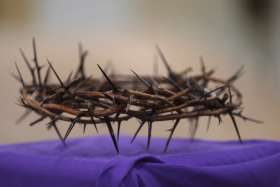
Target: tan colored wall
[[125, 33]]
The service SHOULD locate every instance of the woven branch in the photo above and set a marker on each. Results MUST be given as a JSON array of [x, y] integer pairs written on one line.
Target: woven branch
[[82, 99]]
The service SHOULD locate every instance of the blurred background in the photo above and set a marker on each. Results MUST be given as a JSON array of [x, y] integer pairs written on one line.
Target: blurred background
[[228, 34]]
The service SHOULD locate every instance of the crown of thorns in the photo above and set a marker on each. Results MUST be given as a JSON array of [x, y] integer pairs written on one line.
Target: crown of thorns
[[81, 99]]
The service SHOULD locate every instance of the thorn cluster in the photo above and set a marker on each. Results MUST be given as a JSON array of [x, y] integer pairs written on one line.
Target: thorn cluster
[[81, 99]]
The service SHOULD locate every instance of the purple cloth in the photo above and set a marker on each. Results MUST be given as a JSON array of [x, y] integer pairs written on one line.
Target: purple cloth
[[92, 161]]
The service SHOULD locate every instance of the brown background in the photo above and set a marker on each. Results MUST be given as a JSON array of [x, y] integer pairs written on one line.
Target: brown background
[[226, 33]]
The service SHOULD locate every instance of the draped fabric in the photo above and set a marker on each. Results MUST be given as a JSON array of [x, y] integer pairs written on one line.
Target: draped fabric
[[92, 161]]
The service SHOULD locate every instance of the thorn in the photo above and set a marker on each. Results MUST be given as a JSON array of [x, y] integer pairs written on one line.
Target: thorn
[[203, 68], [90, 110], [108, 79], [95, 126], [58, 78], [119, 130], [37, 120], [91, 113], [15, 77], [53, 120], [230, 95], [118, 127], [81, 69], [71, 127], [84, 128], [69, 77], [146, 83], [208, 123], [58, 132], [220, 119], [247, 118], [236, 75], [23, 116], [137, 131], [38, 68], [194, 130], [236, 127], [161, 55], [172, 130], [20, 102], [34, 82], [20, 75], [111, 131], [149, 134], [47, 76]]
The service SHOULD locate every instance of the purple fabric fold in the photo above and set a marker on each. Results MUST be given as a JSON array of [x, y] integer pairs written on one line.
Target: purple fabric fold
[[92, 161]]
